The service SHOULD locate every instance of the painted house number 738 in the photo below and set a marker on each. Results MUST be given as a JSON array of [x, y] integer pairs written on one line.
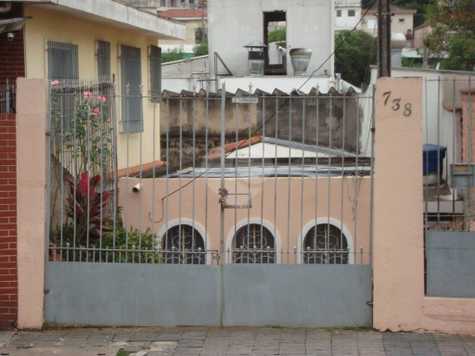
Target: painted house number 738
[[397, 104]]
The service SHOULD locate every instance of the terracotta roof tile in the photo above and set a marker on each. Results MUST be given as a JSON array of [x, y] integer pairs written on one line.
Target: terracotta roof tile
[[182, 13], [231, 147]]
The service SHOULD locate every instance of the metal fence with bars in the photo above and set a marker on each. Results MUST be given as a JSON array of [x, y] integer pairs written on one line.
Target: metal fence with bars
[[448, 153], [209, 178], [448, 169]]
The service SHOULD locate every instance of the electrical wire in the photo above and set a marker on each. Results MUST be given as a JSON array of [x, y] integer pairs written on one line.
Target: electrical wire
[[334, 51]]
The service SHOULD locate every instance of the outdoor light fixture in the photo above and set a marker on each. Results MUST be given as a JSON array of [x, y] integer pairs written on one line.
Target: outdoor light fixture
[[137, 188]]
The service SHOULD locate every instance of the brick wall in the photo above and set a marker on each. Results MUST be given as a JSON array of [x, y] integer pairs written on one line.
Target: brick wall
[[8, 228], [12, 66]]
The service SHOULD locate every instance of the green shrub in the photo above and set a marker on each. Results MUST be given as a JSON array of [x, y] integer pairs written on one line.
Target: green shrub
[[201, 49], [174, 55]]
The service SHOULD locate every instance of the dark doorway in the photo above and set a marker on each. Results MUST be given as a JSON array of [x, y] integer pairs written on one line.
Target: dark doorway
[[275, 41]]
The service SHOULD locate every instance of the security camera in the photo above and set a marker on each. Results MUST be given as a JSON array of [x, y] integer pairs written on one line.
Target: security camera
[[137, 188], [10, 36]]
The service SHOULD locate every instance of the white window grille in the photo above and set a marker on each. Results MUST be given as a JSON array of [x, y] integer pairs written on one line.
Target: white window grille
[[253, 243], [183, 244], [325, 244]]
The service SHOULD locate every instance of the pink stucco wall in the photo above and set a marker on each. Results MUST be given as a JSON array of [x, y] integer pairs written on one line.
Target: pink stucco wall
[[144, 210], [399, 301], [31, 200]]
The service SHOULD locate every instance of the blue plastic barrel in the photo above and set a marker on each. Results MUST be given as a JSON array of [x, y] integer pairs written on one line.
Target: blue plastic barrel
[[433, 161]]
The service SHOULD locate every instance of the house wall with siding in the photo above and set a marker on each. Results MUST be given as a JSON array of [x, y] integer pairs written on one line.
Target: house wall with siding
[[48, 24]]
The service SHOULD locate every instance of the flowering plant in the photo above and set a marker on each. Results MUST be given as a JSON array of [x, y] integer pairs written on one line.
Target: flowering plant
[[89, 136], [82, 150]]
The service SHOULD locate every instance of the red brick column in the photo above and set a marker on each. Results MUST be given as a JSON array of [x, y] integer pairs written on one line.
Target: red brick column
[[8, 227]]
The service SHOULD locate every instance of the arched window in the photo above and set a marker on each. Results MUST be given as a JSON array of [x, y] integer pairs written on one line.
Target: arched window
[[325, 244], [182, 244], [253, 243]]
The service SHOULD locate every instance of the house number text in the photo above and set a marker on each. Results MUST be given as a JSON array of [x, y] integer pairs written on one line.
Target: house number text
[[397, 104]]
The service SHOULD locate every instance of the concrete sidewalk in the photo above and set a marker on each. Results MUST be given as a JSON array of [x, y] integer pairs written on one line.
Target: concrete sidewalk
[[229, 341]]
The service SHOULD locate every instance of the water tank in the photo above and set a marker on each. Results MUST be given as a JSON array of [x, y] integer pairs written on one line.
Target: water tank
[[300, 58], [433, 162]]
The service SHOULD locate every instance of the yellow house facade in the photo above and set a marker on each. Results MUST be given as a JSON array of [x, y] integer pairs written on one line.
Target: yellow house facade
[[84, 27]]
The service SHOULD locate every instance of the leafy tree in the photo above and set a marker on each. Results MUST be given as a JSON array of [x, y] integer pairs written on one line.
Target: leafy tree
[[354, 53], [277, 35], [453, 24], [201, 49]]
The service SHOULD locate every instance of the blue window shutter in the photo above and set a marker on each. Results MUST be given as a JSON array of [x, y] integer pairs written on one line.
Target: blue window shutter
[[63, 66], [103, 61], [155, 73], [62, 61], [131, 85]]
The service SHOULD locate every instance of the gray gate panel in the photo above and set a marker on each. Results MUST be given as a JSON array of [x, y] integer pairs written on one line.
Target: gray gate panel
[[274, 295], [131, 294], [450, 264], [297, 295]]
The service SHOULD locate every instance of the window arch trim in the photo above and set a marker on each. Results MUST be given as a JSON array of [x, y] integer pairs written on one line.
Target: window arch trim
[[167, 225], [324, 221], [252, 221]]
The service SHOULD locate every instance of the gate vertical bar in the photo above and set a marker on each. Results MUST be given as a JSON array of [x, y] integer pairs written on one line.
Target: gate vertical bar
[[222, 197], [222, 165], [371, 199]]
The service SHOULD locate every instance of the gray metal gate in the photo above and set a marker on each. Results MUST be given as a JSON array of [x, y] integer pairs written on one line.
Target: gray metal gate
[[448, 170], [246, 208]]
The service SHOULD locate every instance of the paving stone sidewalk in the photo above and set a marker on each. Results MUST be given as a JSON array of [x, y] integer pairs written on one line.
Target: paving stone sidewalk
[[229, 342]]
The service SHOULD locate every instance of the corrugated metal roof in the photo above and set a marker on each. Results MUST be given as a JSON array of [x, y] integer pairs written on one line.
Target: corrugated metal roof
[[272, 171], [183, 13], [277, 148], [332, 91]]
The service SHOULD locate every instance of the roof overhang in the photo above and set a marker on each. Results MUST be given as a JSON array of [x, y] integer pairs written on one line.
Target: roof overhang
[[119, 14], [12, 25]]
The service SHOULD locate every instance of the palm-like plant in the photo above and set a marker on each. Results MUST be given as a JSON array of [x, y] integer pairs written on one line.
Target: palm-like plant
[[87, 208]]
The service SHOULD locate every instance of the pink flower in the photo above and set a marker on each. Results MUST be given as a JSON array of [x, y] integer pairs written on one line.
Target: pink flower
[[102, 98], [87, 94], [55, 83], [95, 111]]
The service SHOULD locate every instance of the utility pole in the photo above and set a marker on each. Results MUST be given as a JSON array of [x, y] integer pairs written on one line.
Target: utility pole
[[384, 38]]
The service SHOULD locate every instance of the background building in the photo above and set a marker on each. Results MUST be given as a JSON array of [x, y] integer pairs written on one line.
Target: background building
[[195, 21], [348, 14], [402, 23], [254, 20], [190, 13]]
